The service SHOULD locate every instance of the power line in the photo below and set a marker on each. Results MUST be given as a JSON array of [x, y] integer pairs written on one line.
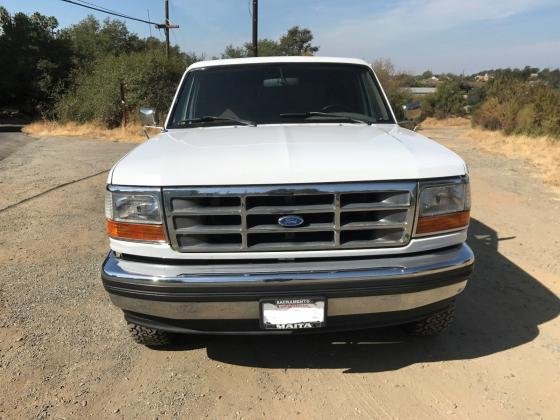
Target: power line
[[109, 12], [101, 7]]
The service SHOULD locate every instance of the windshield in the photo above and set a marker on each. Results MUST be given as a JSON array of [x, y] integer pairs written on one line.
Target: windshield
[[279, 93]]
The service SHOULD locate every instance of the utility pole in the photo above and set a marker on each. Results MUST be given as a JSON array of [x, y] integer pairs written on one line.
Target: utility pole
[[166, 26], [255, 28]]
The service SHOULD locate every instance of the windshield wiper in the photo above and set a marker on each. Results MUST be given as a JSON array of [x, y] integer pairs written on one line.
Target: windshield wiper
[[212, 118], [311, 114]]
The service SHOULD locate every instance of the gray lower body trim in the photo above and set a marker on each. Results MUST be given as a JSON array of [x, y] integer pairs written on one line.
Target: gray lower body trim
[[250, 309], [233, 291]]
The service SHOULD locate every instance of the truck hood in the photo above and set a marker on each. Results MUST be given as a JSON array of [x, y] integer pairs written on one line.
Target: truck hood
[[285, 154]]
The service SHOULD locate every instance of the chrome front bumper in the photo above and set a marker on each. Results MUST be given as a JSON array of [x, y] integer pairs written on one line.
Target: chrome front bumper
[[232, 291]]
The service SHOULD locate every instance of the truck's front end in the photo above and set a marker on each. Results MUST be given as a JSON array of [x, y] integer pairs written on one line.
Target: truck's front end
[[283, 197]]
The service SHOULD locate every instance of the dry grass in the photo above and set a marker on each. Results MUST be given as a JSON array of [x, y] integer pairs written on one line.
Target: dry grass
[[130, 134], [543, 152], [447, 122]]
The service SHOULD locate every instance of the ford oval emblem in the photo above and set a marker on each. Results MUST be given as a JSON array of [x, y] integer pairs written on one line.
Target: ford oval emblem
[[290, 221]]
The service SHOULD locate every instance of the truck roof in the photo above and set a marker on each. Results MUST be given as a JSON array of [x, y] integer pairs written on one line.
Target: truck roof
[[281, 59]]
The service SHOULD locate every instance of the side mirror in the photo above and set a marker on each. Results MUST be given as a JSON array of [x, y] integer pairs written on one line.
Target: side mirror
[[411, 112], [148, 116], [409, 124]]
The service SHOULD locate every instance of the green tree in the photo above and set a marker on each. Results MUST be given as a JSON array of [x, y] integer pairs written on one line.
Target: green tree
[[267, 48], [149, 79], [448, 100], [91, 39], [296, 41], [234, 52], [36, 61], [427, 74], [393, 84], [551, 77], [81, 67]]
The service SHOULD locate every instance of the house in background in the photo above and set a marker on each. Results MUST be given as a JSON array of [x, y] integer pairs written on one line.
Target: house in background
[[483, 77]]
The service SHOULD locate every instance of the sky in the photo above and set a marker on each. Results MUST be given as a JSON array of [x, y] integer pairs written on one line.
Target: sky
[[459, 36]]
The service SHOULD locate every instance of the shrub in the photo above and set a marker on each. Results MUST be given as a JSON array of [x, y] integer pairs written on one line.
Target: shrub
[[510, 109], [149, 79], [447, 101], [494, 115], [489, 114], [525, 119], [547, 109], [515, 106]]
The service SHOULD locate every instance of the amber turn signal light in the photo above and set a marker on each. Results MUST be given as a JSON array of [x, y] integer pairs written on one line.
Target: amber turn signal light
[[443, 222], [135, 231]]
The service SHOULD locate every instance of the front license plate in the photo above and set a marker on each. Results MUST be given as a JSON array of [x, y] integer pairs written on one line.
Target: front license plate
[[292, 313]]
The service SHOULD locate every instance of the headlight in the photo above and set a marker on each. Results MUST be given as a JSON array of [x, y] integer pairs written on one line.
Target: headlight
[[443, 206], [137, 207], [134, 213]]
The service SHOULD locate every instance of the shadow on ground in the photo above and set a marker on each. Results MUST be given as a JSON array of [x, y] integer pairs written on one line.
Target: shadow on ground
[[12, 122], [10, 128], [502, 308]]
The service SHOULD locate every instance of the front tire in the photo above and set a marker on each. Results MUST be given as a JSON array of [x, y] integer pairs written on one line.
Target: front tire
[[149, 336], [434, 324]]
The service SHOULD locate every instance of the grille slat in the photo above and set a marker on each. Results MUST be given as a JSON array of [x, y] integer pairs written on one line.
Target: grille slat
[[366, 226], [372, 207], [213, 248], [300, 246], [195, 230], [397, 198], [202, 211], [314, 227], [336, 216], [291, 209], [366, 244]]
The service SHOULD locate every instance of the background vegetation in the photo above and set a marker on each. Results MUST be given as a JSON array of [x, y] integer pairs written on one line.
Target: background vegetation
[[513, 105], [297, 41], [75, 74], [515, 101]]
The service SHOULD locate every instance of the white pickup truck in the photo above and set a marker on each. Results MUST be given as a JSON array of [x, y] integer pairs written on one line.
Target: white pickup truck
[[283, 197]]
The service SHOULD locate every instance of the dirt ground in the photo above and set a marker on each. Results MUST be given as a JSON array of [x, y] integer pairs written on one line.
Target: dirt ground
[[65, 352]]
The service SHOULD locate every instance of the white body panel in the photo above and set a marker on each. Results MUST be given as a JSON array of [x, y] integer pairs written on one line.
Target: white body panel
[[285, 154], [280, 59]]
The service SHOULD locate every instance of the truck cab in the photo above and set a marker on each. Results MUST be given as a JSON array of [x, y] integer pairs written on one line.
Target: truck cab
[[283, 197]]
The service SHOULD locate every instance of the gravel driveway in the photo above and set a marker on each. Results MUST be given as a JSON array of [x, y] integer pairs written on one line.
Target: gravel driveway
[[65, 353]]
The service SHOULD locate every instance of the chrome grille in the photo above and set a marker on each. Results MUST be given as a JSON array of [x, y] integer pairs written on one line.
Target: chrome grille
[[336, 216]]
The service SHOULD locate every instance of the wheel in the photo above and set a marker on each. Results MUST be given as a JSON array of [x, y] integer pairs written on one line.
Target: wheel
[[434, 324], [149, 336]]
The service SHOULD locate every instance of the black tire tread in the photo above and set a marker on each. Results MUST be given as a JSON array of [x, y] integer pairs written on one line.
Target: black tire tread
[[149, 336], [434, 324]]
